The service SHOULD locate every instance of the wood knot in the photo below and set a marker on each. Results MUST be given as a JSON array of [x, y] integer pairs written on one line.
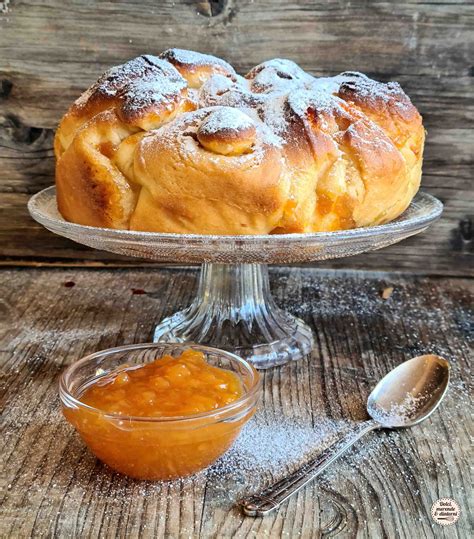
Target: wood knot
[[5, 88], [21, 133], [463, 236], [466, 231], [211, 8]]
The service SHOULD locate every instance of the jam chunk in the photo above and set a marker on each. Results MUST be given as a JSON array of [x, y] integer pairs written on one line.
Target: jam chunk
[[169, 386]]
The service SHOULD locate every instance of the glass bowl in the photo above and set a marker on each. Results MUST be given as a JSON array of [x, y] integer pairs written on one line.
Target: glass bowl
[[149, 447]]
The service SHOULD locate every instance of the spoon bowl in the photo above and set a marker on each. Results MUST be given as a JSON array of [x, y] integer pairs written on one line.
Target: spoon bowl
[[409, 393]]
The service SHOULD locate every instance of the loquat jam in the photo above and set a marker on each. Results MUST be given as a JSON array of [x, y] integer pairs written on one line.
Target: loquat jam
[[164, 419]]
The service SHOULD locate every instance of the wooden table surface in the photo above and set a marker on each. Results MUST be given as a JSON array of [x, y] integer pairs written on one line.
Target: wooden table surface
[[53, 487]]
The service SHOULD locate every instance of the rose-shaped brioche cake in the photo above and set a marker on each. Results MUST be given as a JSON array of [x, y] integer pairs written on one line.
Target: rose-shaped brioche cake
[[180, 143]]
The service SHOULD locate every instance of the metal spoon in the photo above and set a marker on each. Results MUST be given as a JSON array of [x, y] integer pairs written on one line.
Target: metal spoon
[[404, 397]]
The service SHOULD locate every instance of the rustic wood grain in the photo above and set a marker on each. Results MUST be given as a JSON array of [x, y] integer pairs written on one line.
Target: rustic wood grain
[[53, 487], [50, 51]]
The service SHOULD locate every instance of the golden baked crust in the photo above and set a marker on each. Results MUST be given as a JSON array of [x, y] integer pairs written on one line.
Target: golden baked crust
[[181, 143], [188, 186]]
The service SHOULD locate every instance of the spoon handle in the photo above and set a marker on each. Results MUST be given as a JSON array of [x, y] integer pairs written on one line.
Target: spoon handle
[[273, 496]]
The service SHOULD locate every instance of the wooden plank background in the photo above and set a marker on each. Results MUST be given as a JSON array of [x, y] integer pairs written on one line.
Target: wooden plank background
[[384, 488], [51, 50]]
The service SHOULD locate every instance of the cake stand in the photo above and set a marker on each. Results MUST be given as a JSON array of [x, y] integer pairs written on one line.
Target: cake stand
[[233, 308]]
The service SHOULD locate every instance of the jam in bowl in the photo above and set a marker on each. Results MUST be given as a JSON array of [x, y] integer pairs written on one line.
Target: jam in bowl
[[159, 411]]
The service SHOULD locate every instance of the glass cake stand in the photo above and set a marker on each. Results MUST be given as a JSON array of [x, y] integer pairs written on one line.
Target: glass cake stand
[[233, 308]]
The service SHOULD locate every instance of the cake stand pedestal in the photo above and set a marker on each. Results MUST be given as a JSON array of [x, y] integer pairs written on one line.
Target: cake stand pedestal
[[233, 308]]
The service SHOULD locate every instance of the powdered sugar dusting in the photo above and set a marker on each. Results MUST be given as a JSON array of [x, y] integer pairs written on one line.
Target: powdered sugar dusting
[[368, 88], [144, 94], [362, 88], [399, 414], [140, 83], [277, 74], [277, 92], [183, 130], [225, 118], [283, 94], [192, 58], [272, 445], [213, 89]]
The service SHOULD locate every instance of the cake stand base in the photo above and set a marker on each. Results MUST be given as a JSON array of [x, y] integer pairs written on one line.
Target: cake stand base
[[235, 311]]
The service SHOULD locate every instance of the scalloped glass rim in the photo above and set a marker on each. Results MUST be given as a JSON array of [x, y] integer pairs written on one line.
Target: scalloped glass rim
[[423, 210]]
